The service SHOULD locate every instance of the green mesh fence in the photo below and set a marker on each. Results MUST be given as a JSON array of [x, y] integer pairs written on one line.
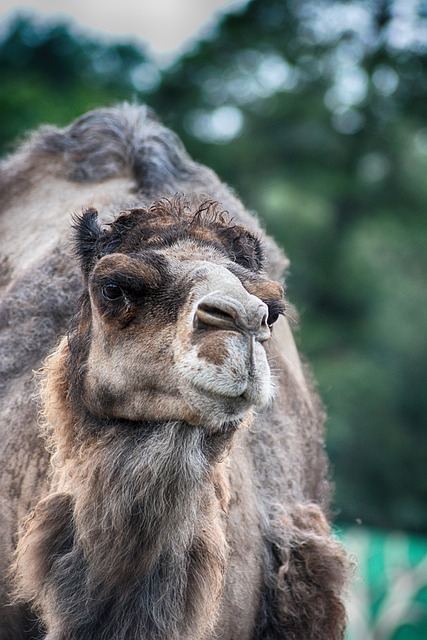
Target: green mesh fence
[[388, 596]]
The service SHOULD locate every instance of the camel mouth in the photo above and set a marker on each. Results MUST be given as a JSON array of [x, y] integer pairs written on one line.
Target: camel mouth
[[249, 395], [221, 395], [230, 406]]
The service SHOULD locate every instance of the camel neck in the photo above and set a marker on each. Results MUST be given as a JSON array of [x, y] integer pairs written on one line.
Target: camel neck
[[148, 527]]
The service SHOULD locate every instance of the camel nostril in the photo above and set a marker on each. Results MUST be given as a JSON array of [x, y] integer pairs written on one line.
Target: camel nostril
[[210, 315]]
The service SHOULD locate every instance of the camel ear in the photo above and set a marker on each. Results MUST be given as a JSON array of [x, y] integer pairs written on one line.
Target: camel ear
[[87, 235], [244, 247], [248, 251]]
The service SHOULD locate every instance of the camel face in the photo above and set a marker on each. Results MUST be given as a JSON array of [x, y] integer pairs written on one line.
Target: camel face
[[178, 329]]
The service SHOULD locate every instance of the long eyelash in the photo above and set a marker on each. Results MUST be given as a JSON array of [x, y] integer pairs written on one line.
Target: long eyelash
[[276, 306]]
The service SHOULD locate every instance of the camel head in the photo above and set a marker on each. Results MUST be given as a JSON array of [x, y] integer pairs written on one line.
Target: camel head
[[175, 318]]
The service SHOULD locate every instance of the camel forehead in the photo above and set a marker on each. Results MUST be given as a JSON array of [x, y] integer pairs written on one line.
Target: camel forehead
[[191, 250], [164, 268]]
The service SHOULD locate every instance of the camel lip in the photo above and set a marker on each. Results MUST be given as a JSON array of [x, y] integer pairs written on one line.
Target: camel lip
[[233, 406], [214, 395]]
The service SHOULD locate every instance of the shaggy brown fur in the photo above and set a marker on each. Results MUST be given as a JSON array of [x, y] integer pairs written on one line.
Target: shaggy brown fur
[[161, 518]]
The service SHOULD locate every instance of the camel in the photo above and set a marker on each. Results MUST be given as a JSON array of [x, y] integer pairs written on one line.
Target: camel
[[163, 473]]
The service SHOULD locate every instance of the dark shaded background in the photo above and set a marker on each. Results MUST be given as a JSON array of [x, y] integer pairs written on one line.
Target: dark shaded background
[[315, 111]]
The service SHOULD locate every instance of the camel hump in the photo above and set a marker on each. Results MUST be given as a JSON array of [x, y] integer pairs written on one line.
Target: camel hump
[[125, 140], [112, 142]]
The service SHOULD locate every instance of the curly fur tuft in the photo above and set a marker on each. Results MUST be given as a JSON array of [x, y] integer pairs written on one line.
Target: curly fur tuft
[[308, 573]]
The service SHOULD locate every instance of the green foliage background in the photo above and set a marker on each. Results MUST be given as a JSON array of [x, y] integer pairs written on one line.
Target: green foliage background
[[315, 111]]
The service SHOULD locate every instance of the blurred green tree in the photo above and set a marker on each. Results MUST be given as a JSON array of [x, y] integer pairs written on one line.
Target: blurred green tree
[[51, 72], [314, 110]]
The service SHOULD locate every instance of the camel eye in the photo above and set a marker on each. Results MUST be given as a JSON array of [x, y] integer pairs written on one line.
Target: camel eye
[[272, 318], [111, 291], [276, 308]]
